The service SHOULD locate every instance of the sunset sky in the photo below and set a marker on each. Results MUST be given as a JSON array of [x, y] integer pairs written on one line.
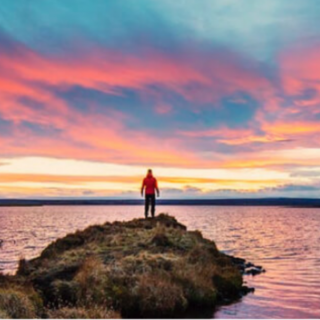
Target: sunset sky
[[220, 97]]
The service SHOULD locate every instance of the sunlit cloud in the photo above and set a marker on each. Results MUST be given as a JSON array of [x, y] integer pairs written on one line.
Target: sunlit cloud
[[89, 103]]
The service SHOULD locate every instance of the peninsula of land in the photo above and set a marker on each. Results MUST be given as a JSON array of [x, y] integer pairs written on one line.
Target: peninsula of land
[[135, 269]]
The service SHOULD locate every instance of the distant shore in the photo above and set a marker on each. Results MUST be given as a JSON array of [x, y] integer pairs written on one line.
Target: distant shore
[[285, 202]]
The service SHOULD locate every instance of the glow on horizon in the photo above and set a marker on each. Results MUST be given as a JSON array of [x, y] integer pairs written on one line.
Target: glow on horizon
[[37, 174]]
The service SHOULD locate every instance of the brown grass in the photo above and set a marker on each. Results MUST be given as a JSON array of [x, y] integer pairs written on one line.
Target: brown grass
[[93, 312], [155, 292], [91, 279], [19, 304]]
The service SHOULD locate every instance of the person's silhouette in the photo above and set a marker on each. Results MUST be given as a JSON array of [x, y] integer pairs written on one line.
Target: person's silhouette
[[149, 186]]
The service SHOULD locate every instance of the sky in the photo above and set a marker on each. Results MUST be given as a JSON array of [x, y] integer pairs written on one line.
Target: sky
[[221, 98]]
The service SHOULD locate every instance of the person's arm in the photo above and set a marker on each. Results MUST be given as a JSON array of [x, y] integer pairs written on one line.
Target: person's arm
[[142, 187], [158, 192]]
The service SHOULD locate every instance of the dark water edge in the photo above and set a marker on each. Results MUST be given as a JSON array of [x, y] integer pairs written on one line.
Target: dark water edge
[[286, 202]]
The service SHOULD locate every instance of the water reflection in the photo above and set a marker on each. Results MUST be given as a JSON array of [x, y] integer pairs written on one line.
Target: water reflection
[[285, 241]]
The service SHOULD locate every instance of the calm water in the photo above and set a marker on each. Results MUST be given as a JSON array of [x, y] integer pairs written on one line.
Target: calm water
[[285, 241]]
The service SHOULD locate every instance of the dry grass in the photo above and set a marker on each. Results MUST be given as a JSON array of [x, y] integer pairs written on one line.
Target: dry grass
[[92, 282], [94, 312], [3, 315], [18, 304], [154, 292]]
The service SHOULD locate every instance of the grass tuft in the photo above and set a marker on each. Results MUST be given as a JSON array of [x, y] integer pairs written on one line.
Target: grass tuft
[[93, 312], [18, 304]]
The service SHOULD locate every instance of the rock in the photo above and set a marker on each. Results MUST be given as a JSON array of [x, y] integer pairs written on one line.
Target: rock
[[245, 290], [237, 261], [254, 271], [246, 268]]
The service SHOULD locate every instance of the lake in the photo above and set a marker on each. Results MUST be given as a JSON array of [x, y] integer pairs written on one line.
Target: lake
[[285, 241]]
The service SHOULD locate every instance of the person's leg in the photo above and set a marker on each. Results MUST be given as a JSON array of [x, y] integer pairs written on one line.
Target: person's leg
[[146, 206], [153, 205]]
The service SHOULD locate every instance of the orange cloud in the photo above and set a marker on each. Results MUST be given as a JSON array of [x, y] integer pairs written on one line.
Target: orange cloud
[[251, 139], [34, 192], [233, 137], [292, 128], [275, 159], [65, 179], [221, 132]]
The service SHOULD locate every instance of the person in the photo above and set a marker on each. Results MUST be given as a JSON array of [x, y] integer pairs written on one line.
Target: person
[[149, 186]]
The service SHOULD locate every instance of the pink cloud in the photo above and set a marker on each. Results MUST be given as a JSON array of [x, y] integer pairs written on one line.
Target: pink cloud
[[300, 68], [163, 108], [107, 70], [197, 77], [105, 137]]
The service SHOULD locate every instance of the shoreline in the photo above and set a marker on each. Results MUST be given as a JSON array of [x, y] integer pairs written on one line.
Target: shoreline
[[279, 202]]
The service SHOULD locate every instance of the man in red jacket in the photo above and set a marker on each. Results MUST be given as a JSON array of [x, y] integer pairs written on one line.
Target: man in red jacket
[[150, 185]]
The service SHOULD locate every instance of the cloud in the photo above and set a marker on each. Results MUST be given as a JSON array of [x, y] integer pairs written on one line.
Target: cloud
[[53, 25], [132, 180], [162, 84], [50, 124], [188, 74], [308, 173], [292, 187], [163, 109]]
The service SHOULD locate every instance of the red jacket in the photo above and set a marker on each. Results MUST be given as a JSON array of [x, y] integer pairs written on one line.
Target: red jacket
[[150, 183]]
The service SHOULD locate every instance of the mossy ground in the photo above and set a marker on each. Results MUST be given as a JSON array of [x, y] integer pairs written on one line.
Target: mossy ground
[[140, 268]]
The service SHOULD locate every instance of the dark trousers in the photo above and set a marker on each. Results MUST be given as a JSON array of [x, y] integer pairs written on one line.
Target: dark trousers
[[150, 198]]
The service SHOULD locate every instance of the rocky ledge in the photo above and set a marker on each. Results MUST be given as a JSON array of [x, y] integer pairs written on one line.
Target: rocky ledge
[[141, 268]]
